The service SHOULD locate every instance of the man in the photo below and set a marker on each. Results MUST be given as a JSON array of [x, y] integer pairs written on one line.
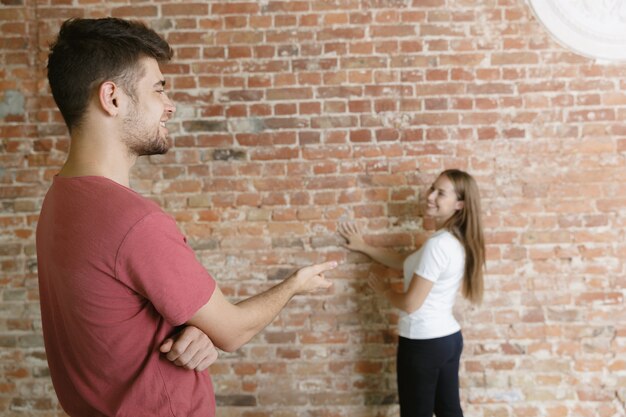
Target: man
[[116, 276]]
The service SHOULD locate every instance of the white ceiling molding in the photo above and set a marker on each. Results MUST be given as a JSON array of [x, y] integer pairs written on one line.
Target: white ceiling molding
[[593, 28]]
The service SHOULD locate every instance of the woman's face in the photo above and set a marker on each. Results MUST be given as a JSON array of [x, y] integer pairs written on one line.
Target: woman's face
[[442, 202]]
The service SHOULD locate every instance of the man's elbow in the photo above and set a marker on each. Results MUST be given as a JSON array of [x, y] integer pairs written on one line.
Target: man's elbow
[[233, 343], [227, 345], [229, 348]]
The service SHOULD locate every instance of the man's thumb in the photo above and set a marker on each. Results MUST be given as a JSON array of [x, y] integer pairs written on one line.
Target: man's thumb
[[167, 345]]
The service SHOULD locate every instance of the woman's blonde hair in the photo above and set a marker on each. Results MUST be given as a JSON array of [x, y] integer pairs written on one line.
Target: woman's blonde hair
[[466, 226]]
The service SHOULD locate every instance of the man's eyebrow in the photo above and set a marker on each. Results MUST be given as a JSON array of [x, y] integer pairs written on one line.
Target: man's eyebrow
[[160, 83]]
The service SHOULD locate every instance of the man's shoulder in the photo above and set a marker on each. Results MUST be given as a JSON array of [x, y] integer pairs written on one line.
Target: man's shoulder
[[98, 200], [101, 190]]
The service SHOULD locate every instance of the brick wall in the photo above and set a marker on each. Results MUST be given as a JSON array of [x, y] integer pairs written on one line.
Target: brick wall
[[293, 115]]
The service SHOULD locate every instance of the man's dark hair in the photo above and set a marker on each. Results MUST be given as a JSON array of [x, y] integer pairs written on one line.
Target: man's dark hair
[[89, 52]]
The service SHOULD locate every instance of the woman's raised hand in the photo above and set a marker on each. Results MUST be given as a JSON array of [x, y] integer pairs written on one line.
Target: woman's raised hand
[[351, 232]]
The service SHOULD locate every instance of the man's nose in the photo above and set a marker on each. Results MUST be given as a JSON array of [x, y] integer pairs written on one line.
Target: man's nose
[[170, 109]]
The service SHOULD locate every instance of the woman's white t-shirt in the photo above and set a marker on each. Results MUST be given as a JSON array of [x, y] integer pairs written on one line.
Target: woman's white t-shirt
[[442, 261]]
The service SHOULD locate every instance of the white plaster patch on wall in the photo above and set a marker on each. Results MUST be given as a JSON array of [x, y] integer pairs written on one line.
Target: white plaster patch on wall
[[395, 120], [12, 103], [185, 111], [250, 125]]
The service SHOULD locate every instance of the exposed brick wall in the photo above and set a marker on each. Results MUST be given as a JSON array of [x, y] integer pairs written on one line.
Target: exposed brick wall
[[293, 115]]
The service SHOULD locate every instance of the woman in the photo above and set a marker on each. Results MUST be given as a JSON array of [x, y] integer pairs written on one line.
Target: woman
[[430, 342]]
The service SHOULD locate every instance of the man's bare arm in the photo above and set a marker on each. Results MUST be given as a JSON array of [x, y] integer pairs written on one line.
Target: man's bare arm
[[230, 326]]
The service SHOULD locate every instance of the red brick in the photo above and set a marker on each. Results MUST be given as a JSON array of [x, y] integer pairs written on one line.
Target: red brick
[[392, 31], [287, 6], [363, 63], [235, 8], [514, 58], [285, 109], [135, 11], [289, 94], [368, 367], [309, 108], [362, 135], [592, 115], [187, 9], [330, 182]]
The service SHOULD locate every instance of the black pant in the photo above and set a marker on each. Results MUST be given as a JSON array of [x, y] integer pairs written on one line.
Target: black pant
[[428, 376]]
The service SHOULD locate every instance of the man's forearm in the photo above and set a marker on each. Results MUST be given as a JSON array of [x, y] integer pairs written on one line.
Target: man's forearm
[[231, 325], [258, 311]]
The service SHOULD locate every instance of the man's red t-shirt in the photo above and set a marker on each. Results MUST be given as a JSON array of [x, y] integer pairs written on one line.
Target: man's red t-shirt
[[116, 277]]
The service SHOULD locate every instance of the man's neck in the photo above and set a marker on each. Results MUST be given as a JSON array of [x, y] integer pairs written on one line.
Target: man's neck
[[98, 157], [72, 169]]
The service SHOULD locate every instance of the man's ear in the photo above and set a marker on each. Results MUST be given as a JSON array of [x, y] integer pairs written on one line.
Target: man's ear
[[109, 98]]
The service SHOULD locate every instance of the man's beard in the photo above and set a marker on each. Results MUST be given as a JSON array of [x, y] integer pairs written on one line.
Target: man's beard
[[140, 141]]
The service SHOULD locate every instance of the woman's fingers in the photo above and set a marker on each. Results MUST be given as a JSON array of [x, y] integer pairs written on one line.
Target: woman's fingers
[[348, 229]]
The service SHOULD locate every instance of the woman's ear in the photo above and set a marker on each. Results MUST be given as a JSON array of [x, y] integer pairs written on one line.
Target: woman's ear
[[108, 97], [460, 205]]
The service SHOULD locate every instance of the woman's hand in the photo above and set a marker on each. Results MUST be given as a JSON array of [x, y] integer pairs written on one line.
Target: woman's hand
[[352, 233], [388, 257]]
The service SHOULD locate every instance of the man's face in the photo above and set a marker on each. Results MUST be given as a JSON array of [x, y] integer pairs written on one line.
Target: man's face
[[143, 129]]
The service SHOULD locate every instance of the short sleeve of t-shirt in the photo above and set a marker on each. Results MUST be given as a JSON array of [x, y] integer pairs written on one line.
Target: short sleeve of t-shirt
[[155, 261], [434, 260]]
